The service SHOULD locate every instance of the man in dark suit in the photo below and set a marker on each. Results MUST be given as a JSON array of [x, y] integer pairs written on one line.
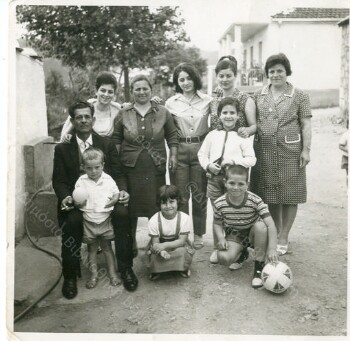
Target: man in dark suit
[[67, 169]]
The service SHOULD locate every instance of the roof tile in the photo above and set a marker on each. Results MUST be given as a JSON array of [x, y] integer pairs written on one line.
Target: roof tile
[[312, 13]]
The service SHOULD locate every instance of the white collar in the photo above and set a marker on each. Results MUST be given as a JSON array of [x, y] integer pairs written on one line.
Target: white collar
[[289, 91], [198, 93], [102, 177], [88, 140]]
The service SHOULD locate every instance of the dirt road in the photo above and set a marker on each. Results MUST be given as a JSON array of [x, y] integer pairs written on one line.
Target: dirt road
[[217, 300]]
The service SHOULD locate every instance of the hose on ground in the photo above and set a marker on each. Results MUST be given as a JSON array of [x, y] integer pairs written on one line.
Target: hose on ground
[[30, 307]]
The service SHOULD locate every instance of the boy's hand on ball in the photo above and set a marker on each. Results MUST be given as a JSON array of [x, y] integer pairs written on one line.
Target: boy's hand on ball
[[272, 256]]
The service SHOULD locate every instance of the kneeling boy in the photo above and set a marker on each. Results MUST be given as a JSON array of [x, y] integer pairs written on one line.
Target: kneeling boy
[[242, 219]]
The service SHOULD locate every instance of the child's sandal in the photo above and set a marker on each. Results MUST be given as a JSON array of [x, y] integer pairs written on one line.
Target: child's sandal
[[282, 249], [91, 283], [114, 281], [186, 273]]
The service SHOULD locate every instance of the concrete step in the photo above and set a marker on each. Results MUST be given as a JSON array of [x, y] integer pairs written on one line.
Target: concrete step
[[35, 271]]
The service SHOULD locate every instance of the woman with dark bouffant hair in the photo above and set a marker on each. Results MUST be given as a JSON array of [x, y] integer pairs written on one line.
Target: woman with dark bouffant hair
[[190, 109], [106, 110], [282, 146], [226, 72]]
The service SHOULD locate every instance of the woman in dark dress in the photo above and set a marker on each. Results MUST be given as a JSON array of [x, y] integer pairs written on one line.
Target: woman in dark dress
[[140, 132]]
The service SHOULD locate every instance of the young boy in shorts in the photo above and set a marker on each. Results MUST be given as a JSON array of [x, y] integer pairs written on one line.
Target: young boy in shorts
[[241, 219], [98, 195]]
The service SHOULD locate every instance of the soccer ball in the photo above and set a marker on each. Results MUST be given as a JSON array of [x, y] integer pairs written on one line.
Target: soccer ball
[[79, 196], [277, 277]]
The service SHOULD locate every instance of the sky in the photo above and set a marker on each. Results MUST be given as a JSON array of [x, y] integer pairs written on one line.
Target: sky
[[207, 20]]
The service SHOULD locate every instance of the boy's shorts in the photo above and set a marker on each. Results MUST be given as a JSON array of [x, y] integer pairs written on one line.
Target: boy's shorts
[[243, 237], [94, 231], [215, 187]]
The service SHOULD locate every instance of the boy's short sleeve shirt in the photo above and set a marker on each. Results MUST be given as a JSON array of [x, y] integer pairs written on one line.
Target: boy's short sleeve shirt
[[169, 226], [98, 192], [240, 217]]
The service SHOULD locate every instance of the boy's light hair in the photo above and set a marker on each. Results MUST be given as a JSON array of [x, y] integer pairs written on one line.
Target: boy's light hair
[[236, 169], [92, 154]]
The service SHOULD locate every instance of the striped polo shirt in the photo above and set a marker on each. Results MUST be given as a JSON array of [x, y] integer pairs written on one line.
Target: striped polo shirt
[[232, 217]]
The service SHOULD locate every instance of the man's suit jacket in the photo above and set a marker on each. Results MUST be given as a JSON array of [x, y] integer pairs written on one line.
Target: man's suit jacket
[[66, 165]]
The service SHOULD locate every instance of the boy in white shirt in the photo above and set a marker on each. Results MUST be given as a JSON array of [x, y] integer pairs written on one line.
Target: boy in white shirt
[[221, 148], [95, 194]]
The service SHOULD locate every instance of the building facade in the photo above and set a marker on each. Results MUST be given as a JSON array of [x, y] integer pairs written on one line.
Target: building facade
[[308, 36]]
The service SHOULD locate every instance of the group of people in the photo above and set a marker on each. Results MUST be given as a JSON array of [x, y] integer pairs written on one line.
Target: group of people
[[110, 168]]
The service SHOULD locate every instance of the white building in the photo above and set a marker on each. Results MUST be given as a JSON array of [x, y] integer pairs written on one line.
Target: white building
[[308, 36], [30, 158]]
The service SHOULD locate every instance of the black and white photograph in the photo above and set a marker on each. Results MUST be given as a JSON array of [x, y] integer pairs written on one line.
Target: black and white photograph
[[177, 168]]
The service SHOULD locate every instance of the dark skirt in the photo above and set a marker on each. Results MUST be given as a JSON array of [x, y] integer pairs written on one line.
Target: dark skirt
[[144, 181]]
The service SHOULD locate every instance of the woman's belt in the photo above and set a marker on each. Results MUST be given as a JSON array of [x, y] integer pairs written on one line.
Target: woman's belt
[[192, 139]]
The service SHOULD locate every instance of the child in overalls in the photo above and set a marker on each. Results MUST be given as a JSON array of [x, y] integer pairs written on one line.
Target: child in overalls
[[169, 248]]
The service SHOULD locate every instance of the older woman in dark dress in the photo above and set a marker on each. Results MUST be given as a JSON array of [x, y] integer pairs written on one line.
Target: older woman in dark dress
[[140, 132], [282, 146]]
